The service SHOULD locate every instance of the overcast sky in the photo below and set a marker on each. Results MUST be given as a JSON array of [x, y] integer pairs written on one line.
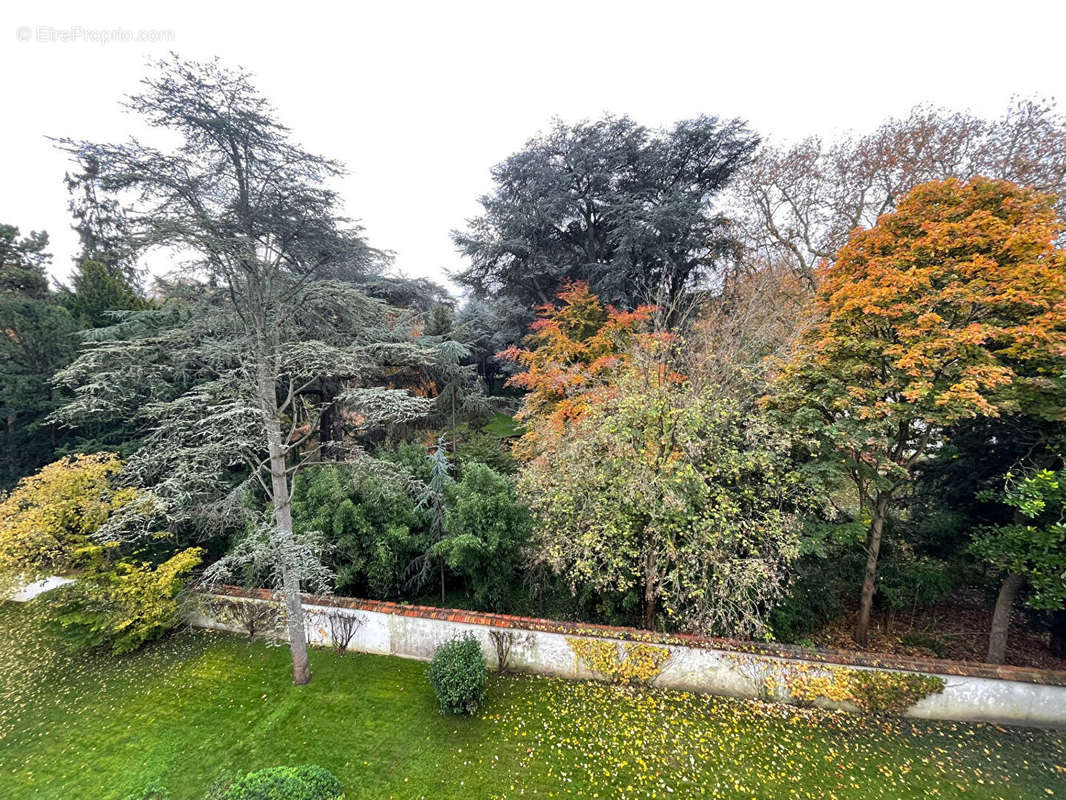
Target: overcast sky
[[421, 99]]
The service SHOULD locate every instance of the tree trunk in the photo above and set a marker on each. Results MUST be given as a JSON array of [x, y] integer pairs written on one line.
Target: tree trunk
[[869, 582], [453, 429], [279, 484], [650, 581], [442, 582], [997, 638], [1058, 633], [326, 427]]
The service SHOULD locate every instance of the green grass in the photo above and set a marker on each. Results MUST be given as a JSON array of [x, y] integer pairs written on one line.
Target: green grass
[[503, 425], [185, 708]]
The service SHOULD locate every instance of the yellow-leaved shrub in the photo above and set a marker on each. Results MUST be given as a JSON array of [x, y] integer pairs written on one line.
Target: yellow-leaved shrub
[[124, 604], [48, 517]]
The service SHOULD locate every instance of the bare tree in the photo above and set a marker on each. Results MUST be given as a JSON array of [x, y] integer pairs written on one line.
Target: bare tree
[[742, 332], [342, 628], [504, 642], [800, 203]]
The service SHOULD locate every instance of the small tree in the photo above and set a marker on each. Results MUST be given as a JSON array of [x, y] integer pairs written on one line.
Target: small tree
[[504, 643], [367, 511], [571, 349], [62, 519], [1032, 550], [433, 499], [672, 492], [253, 616], [342, 628], [948, 309]]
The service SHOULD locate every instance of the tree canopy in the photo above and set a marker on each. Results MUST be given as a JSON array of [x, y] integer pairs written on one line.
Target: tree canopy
[[628, 210], [950, 308], [674, 494], [256, 212]]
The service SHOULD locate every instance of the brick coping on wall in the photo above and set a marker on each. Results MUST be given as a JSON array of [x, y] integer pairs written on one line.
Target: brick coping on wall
[[938, 666]]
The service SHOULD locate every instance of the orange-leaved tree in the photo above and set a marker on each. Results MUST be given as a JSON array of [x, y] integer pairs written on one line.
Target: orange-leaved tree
[[572, 349], [952, 307]]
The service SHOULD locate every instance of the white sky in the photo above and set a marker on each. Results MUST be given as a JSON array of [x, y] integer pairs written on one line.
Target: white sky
[[420, 100]]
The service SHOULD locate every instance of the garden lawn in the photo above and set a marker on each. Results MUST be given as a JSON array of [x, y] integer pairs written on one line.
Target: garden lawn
[[182, 710]]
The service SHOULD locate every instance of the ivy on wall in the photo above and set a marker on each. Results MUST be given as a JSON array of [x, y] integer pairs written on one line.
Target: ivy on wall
[[874, 691], [871, 690], [641, 663]]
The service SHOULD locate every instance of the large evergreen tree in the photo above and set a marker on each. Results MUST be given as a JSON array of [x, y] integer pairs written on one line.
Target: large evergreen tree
[[629, 210], [38, 338], [95, 291], [104, 232], [255, 212]]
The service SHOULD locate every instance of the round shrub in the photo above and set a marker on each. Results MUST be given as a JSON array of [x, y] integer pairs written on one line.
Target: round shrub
[[305, 782], [459, 675]]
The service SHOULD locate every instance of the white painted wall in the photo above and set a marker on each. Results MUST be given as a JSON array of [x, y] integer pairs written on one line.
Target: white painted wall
[[696, 669], [31, 590]]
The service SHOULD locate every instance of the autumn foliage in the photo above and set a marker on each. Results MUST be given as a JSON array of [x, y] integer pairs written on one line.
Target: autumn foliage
[[48, 518], [953, 297], [950, 308], [573, 348]]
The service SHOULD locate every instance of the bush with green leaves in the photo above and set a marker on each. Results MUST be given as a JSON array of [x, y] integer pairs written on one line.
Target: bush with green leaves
[[1034, 546], [486, 531], [459, 675], [411, 456], [487, 447], [369, 519], [305, 782]]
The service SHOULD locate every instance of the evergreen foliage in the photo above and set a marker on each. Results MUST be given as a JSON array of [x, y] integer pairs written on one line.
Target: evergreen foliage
[[630, 211], [459, 675], [487, 532]]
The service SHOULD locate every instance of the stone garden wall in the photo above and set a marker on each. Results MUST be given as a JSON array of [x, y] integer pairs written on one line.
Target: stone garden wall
[[958, 691]]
